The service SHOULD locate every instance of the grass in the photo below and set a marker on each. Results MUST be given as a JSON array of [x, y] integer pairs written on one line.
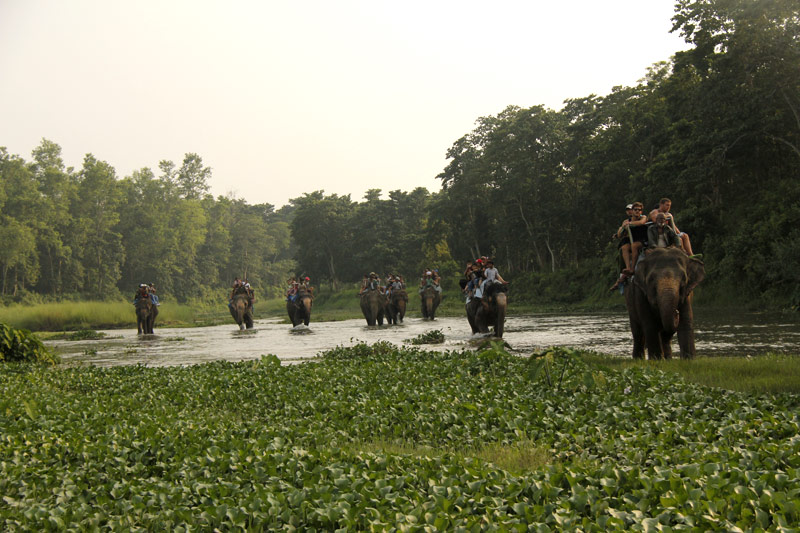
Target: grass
[[517, 458], [770, 373]]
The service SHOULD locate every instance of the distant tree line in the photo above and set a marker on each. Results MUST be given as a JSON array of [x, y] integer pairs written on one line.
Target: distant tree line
[[716, 129], [84, 233]]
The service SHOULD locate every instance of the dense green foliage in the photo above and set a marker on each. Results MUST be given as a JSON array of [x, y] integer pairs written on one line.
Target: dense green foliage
[[21, 345], [716, 128], [86, 233], [257, 445]]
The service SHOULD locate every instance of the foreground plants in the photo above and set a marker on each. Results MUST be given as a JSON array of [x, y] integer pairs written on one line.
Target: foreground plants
[[21, 345], [257, 445]]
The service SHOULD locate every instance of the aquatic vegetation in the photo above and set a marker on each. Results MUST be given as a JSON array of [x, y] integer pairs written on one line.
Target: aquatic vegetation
[[429, 337], [85, 334], [376, 437]]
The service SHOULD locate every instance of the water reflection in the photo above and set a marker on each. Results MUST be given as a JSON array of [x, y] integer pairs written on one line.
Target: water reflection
[[743, 334]]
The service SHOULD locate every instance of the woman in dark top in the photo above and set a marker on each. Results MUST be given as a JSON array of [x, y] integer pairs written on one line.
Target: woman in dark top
[[631, 250]]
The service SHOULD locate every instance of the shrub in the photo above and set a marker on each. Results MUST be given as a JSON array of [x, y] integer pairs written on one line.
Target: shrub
[[22, 345]]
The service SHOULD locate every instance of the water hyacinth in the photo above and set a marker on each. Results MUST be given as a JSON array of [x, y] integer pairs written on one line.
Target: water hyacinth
[[256, 445]]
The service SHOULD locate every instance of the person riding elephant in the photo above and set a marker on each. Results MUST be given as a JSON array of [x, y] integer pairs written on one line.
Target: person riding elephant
[[490, 309], [396, 305], [430, 295], [146, 310], [659, 302], [241, 306], [373, 301], [299, 307]]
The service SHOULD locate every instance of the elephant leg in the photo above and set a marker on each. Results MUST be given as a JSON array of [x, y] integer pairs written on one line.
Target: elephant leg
[[686, 333], [666, 339], [638, 340], [481, 320], [652, 337]]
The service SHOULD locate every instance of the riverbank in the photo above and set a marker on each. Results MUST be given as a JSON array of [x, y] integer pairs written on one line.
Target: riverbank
[[328, 306], [344, 305], [374, 437]]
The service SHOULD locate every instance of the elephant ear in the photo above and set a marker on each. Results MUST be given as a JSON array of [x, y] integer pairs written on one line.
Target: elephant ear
[[696, 271]]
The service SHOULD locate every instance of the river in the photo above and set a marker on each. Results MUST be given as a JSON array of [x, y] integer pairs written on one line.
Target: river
[[715, 333]]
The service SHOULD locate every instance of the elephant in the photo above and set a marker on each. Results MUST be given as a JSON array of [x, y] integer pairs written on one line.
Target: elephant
[[431, 298], [300, 309], [396, 306], [373, 305], [146, 312], [480, 316], [242, 309], [659, 302]]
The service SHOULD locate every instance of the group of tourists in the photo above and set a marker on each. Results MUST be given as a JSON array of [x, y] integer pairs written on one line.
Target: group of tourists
[[639, 233], [295, 284], [146, 290], [371, 281], [476, 275]]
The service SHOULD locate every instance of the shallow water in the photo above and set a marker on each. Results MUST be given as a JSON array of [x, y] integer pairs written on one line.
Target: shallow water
[[716, 334]]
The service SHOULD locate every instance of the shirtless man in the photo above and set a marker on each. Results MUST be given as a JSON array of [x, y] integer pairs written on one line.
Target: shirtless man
[[663, 207]]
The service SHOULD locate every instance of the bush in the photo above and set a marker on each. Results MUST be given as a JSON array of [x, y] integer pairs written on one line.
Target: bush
[[22, 345]]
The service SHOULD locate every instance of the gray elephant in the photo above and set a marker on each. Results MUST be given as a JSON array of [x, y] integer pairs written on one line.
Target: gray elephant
[[430, 300], [242, 308], [373, 305], [489, 311], [146, 312], [396, 306], [299, 309], [659, 302]]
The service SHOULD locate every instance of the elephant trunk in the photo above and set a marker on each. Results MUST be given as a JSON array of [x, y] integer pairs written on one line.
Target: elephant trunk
[[668, 303], [500, 314]]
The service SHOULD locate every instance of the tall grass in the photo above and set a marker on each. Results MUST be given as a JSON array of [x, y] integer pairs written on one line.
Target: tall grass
[[770, 373], [63, 316]]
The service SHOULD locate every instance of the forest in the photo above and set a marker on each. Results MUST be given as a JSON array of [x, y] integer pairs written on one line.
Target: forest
[[716, 129]]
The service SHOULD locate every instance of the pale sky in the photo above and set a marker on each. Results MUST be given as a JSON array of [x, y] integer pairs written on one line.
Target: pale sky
[[282, 98]]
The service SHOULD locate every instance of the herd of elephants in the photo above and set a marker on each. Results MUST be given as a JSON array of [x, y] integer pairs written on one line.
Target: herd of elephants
[[658, 298]]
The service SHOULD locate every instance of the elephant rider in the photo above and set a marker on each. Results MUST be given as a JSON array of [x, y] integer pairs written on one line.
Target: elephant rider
[[153, 297], [664, 206], [490, 275], [294, 285], [306, 286], [474, 275], [141, 293], [428, 280], [373, 282], [251, 295], [632, 227], [237, 284], [661, 235]]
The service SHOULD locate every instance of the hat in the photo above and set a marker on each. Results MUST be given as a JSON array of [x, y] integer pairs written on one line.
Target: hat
[[629, 206], [308, 279], [479, 261]]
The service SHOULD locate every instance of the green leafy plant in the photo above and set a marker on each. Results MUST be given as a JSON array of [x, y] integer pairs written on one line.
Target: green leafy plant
[[22, 345], [85, 334], [429, 337]]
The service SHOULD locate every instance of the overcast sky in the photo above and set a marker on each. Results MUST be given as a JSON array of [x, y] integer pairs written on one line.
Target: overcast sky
[[282, 98]]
